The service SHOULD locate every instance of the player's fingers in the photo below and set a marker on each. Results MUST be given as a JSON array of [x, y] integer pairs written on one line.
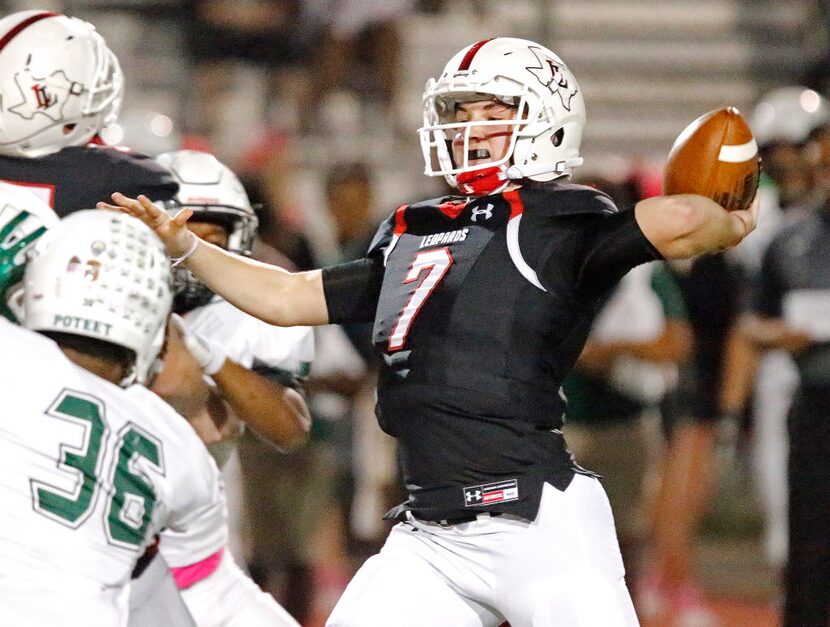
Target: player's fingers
[[128, 205], [182, 216], [747, 221], [109, 207], [177, 321], [156, 216]]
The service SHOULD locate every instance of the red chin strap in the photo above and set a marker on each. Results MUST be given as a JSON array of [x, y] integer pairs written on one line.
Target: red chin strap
[[480, 182]]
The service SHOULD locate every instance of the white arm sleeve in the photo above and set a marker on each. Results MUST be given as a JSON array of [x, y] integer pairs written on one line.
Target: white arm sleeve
[[228, 598]]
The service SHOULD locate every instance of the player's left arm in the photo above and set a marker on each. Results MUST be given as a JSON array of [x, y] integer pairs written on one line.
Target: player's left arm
[[276, 412], [686, 225]]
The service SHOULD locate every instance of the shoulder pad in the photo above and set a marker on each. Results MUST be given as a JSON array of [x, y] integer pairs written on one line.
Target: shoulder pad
[[565, 199]]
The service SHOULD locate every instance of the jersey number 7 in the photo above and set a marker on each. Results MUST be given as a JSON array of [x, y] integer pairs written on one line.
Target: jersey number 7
[[436, 262]]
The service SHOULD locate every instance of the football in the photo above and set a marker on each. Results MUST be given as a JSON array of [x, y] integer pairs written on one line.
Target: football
[[715, 156]]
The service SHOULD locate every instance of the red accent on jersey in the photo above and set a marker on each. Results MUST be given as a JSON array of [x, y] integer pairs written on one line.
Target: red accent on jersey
[[22, 26], [490, 497], [516, 205], [452, 209], [50, 189], [471, 53], [400, 223]]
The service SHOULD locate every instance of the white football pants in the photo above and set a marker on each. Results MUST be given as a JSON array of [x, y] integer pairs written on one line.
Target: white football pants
[[775, 386], [562, 570]]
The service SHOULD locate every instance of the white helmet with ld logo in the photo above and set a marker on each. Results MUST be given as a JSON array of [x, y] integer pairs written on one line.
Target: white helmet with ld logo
[[547, 130], [60, 83]]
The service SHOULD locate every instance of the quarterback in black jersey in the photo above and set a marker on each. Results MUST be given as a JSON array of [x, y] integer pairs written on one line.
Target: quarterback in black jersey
[[481, 303]]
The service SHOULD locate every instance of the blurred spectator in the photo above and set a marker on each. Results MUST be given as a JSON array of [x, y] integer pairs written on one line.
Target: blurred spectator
[[626, 367], [267, 171], [782, 121], [710, 288], [358, 50], [244, 51], [350, 203], [793, 310], [301, 544]]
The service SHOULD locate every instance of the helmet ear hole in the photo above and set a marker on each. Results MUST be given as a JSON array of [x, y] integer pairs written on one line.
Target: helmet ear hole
[[557, 137]]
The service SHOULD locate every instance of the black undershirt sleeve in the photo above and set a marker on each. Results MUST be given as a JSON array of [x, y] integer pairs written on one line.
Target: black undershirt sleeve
[[352, 290], [591, 253], [611, 251]]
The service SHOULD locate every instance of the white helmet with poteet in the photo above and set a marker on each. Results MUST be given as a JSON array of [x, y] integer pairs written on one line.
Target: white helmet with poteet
[[102, 275], [547, 130], [23, 219], [787, 115], [60, 84], [215, 194]]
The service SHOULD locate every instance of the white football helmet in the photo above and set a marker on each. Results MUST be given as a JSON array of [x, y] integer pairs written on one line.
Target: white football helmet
[[60, 83], [788, 115], [103, 275], [214, 194], [23, 219], [546, 133]]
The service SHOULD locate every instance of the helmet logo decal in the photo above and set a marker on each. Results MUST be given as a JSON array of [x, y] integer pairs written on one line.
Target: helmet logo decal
[[40, 95], [549, 73], [44, 100]]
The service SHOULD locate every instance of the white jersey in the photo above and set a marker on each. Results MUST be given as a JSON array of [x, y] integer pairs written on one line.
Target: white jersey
[[89, 474], [252, 343]]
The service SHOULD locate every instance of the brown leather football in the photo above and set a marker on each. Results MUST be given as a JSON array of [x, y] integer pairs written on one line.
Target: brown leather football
[[715, 156]]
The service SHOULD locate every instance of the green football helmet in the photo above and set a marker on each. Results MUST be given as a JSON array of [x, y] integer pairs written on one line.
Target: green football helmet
[[23, 219]]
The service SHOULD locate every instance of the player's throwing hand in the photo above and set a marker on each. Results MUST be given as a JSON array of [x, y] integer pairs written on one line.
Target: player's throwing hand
[[172, 231]]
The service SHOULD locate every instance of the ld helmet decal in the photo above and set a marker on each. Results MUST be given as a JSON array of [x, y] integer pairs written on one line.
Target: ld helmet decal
[[549, 73], [46, 95]]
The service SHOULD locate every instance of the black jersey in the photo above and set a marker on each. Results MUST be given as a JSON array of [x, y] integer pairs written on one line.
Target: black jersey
[[78, 177], [480, 308]]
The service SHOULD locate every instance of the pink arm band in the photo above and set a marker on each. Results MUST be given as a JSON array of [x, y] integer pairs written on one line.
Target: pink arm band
[[186, 576]]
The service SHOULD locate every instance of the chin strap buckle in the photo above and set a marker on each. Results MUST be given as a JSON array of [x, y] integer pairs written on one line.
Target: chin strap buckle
[[529, 170]]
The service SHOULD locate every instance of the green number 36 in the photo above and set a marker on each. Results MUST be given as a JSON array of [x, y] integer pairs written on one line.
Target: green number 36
[[131, 498]]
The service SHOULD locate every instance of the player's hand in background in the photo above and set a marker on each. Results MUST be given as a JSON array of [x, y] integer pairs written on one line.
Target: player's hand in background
[[211, 356], [173, 232]]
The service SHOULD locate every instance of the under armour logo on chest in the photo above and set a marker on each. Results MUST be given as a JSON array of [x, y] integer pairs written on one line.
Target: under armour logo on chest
[[487, 212]]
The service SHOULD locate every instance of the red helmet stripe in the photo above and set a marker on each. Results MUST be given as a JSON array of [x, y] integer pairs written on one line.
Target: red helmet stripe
[[468, 58], [22, 26]]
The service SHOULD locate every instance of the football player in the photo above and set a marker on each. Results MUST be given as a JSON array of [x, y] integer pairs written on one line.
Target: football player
[[23, 219], [93, 464], [481, 303], [55, 153], [60, 85], [255, 369]]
